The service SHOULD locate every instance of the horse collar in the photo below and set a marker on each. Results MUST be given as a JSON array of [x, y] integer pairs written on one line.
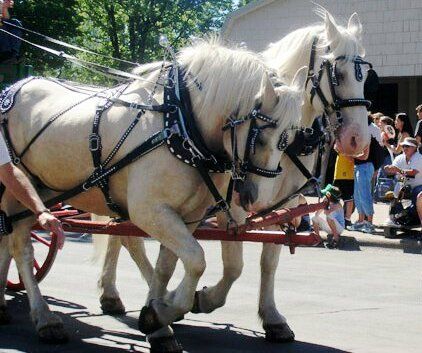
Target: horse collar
[[183, 137]]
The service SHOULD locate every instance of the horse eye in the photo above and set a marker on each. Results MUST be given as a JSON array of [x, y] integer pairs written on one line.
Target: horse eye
[[340, 76]]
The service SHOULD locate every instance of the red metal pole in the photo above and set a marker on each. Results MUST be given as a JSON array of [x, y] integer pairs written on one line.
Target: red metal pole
[[248, 232]]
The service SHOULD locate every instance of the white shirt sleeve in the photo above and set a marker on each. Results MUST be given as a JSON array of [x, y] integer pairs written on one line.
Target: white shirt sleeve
[[399, 162], [4, 153]]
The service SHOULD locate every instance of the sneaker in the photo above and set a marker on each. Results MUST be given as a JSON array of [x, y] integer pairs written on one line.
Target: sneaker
[[368, 228], [390, 223], [356, 226]]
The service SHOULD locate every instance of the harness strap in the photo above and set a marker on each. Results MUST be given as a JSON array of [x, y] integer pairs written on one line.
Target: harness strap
[[149, 145], [298, 163], [162, 108], [95, 147]]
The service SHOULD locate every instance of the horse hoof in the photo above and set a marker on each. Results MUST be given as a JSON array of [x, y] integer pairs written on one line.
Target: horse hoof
[[279, 333], [112, 306], [53, 334], [165, 345], [196, 308], [148, 321], [5, 318]]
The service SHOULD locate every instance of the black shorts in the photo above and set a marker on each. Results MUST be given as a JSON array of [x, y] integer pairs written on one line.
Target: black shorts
[[346, 187]]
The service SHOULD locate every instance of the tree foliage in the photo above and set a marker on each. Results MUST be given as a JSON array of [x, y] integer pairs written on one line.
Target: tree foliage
[[125, 29]]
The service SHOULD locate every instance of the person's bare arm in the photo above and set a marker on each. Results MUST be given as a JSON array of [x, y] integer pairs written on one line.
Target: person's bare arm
[[21, 188], [365, 155], [391, 169]]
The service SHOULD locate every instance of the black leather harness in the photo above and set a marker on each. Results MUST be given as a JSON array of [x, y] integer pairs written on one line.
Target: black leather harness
[[330, 68], [180, 134]]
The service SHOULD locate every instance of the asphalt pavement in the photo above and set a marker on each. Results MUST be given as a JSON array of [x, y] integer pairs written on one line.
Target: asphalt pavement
[[367, 300]]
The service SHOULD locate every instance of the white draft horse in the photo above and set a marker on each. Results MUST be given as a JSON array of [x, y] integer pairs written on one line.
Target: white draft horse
[[158, 192], [334, 42]]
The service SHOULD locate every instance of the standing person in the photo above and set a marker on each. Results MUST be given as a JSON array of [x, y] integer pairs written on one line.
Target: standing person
[[344, 181], [387, 137], [376, 118], [418, 130], [331, 219], [9, 45], [404, 128], [365, 166], [21, 188], [410, 164]]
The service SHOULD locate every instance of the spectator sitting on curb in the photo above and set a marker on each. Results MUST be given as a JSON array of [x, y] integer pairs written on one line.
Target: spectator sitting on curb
[[331, 219], [410, 164]]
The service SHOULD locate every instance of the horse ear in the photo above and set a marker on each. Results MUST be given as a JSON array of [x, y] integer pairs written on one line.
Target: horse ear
[[299, 80], [354, 25], [331, 28], [270, 98]]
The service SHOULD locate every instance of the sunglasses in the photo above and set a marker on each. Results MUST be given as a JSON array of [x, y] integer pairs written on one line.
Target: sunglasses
[[406, 146]]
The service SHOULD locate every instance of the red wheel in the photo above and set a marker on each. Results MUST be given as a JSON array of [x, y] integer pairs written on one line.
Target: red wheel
[[45, 251]]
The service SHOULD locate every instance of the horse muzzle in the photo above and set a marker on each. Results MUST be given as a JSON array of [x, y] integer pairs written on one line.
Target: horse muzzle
[[247, 194]]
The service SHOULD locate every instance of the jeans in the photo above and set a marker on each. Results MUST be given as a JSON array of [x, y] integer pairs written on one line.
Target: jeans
[[363, 188]]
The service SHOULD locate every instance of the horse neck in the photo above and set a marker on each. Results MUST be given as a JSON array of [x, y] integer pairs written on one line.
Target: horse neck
[[293, 63], [210, 124]]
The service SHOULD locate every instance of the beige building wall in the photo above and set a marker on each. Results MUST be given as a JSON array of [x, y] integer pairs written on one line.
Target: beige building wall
[[392, 34]]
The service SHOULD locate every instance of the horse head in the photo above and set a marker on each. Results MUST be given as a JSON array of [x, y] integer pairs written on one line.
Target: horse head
[[337, 83], [338, 75], [265, 139]]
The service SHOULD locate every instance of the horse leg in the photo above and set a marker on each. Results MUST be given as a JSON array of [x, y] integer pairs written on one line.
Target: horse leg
[[48, 325], [172, 233], [164, 268], [109, 295], [136, 248], [275, 324], [210, 298], [5, 259]]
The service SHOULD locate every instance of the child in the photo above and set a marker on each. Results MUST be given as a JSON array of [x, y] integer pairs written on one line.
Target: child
[[331, 219]]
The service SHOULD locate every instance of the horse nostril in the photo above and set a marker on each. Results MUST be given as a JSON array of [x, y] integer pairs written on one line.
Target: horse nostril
[[353, 142]]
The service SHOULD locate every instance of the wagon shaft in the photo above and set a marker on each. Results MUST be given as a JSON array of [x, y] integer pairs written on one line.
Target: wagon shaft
[[282, 216], [248, 232]]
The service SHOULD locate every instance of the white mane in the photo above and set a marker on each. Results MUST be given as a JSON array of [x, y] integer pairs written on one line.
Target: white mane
[[233, 80], [285, 54]]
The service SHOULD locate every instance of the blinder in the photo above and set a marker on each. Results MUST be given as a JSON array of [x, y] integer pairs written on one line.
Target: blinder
[[371, 83]]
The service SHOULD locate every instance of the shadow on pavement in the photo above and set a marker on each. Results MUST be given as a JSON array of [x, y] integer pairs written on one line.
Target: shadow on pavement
[[20, 334], [194, 335], [228, 338]]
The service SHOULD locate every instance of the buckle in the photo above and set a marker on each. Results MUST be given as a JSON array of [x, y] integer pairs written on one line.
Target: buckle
[[94, 142], [172, 130], [222, 205]]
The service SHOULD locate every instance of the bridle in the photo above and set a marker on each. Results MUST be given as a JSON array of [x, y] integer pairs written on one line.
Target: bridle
[[240, 167], [330, 68]]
